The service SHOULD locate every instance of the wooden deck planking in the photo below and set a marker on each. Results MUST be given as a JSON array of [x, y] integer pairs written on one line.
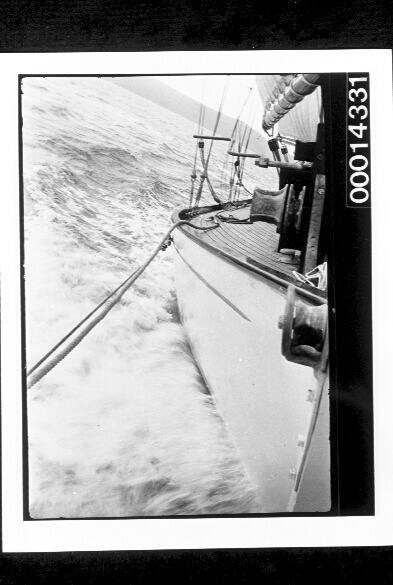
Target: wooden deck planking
[[256, 242]]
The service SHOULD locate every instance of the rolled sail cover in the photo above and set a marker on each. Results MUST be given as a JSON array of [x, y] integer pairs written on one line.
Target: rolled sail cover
[[301, 121]]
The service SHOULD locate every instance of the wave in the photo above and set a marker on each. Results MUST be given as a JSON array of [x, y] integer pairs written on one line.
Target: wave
[[125, 425]]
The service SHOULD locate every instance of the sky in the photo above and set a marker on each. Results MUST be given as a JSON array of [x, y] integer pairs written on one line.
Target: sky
[[209, 89]]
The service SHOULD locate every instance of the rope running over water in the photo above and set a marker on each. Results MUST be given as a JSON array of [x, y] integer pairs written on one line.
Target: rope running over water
[[45, 365]]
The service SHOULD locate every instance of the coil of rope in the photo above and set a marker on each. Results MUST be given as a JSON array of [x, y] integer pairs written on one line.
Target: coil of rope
[[47, 362]]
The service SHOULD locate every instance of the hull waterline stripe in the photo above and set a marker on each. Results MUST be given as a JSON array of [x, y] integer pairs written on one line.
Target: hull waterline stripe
[[214, 290]]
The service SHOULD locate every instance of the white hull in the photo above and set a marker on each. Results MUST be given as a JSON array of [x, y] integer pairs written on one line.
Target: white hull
[[231, 318]]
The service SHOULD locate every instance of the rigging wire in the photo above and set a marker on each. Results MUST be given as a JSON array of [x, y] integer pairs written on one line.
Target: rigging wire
[[224, 93], [201, 124], [240, 173], [205, 161], [238, 166], [241, 112], [239, 163], [233, 140], [193, 174], [242, 163]]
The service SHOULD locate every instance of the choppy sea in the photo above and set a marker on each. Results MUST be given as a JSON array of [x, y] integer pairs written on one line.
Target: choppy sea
[[124, 426]]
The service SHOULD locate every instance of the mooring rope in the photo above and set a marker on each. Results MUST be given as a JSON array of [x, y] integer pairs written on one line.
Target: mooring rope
[[45, 365]]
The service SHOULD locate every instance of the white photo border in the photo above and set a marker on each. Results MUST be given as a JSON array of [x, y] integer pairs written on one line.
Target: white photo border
[[194, 533]]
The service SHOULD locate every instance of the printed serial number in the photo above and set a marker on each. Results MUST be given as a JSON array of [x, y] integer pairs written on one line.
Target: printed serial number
[[358, 147]]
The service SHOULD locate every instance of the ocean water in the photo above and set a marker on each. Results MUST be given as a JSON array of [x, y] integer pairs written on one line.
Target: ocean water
[[124, 426]]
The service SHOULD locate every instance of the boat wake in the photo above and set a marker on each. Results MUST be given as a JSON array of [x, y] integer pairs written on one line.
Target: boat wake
[[124, 426]]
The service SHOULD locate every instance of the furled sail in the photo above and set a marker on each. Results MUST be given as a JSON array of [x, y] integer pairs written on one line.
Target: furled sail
[[293, 102]]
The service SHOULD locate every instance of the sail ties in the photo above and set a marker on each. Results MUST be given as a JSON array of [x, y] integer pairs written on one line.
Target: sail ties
[[300, 86]]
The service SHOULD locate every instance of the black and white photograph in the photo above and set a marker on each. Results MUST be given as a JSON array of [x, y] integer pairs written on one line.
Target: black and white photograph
[[195, 282], [206, 388], [190, 213]]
